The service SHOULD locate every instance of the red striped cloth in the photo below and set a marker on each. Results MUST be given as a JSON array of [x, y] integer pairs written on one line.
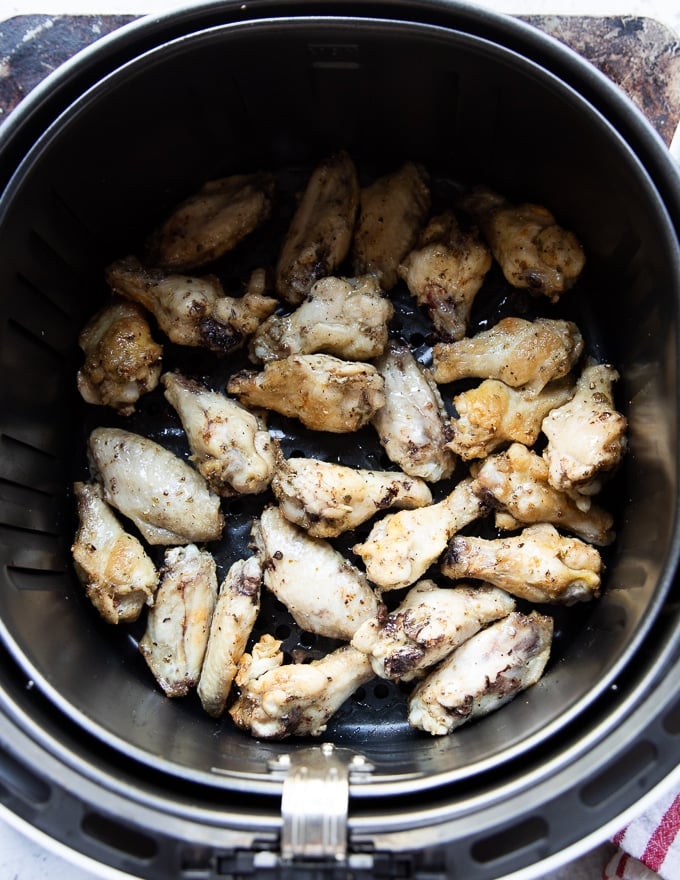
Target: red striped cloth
[[649, 846]]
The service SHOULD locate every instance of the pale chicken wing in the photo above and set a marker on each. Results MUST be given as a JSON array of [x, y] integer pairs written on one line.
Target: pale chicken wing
[[230, 446], [178, 624], [113, 566], [320, 233], [533, 251], [213, 221], [402, 546], [167, 500], [393, 210], [324, 592], [515, 351], [445, 272], [539, 564], [296, 699], [328, 499], [587, 436], [324, 392], [483, 674], [236, 609], [428, 624], [413, 423], [122, 360], [493, 414], [192, 310], [517, 480], [346, 317]]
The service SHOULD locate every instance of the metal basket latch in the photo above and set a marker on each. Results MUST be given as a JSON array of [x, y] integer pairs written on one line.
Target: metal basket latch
[[315, 800]]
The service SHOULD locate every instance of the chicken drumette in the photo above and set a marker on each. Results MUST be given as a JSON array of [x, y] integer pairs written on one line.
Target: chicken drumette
[[327, 499], [533, 251], [515, 351], [444, 273], [539, 564]]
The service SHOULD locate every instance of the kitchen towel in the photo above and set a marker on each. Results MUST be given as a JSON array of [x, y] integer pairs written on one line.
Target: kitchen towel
[[649, 846]]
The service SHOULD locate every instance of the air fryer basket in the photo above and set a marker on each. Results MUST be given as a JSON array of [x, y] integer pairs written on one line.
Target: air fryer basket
[[90, 750]]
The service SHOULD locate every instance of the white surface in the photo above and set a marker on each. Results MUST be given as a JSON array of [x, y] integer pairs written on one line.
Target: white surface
[[24, 856]]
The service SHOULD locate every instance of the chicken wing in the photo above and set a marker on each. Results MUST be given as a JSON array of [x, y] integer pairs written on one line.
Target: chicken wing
[[393, 210], [324, 592], [122, 361], [346, 317], [118, 575], [445, 272], [327, 499], [402, 546], [515, 351], [587, 436], [192, 310], [213, 221], [517, 480], [231, 446], [483, 674], [320, 234], [493, 414], [238, 603], [322, 391], [413, 424], [178, 623], [167, 500], [297, 699], [533, 251], [428, 624], [539, 564]]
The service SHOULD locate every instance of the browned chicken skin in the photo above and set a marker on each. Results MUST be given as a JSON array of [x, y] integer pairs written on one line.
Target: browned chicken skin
[[393, 211], [122, 361], [445, 272], [213, 221], [533, 251], [320, 232]]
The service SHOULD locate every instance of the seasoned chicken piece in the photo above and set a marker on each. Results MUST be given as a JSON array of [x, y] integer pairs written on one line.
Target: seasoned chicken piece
[[539, 564], [493, 413], [322, 391], [297, 699], [483, 674], [327, 499], [178, 623], [393, 210], [586, 436], [122, 361], [118, 575], [320, 234], [190, 310], [517, 480], [324, 592], [515, 351], [428, 624], [533, 251], [165, 498], [346, 317], [402, 546], [213, 221], [231, 446], [413, 424], [238, 603], [444, 273]]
